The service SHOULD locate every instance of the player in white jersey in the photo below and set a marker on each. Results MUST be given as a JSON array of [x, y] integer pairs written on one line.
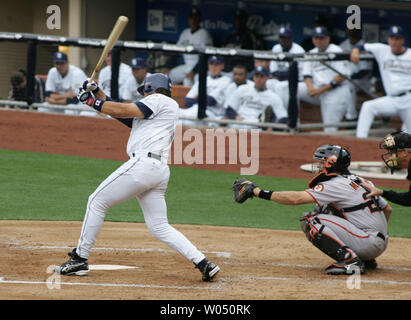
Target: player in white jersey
[[104, 77], [145, 176], [324, 83], [195, 36], [280, 70], [239, 79], [360, 73], [216, 91], [139, 73], [394, 62], [345, 225], [62, 83], [249, 102]]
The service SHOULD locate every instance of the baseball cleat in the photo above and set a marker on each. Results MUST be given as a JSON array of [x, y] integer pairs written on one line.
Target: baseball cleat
[[208, 270], [356, 266], [74, 266], [370, 264]]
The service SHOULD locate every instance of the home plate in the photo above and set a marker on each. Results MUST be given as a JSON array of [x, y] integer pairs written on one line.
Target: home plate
[[109, 267]]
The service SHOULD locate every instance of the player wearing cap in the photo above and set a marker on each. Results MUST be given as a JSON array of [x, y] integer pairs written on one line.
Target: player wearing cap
[[196, 36], [139, 70], [216, 92], [254, 102], [360, 73], [241, 37], [239, 79], [62, 83], [394, 62], [104, 77], [144, 176], [324, 83], [397, 157], [279, 69]]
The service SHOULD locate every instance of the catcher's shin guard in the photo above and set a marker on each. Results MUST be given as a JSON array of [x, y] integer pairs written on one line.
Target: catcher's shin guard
[[346, 259]]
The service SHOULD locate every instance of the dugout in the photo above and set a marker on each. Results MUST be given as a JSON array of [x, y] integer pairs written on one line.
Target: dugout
[[162, 21]]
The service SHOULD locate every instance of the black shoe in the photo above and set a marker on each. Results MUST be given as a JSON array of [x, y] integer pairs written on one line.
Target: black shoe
[[208, 270], [370, 264], [341, 267], [74, 266]]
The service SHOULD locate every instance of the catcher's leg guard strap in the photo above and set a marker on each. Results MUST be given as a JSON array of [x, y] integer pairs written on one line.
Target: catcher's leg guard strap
[[326, 240]]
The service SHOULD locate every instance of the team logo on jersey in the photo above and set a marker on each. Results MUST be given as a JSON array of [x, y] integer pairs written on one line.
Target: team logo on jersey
[[319, 187]]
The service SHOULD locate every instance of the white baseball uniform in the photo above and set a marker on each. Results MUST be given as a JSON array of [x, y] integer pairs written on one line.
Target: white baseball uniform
[[130, 92], [395, 71], [281, 86], [250, 103], [334, 103], [364, 82], [363, 230], [230, 90], [56, 83], [216, 88], [104, 78], [142, 177], [199, 38]]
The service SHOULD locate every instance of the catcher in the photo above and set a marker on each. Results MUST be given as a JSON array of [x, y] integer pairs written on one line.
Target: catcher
[[398, 145], [344, 225]]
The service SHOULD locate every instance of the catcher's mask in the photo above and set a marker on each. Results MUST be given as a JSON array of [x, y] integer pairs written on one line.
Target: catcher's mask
[[333, 158], [390, 158]]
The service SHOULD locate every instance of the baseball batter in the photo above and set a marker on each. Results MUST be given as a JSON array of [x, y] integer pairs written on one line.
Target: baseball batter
[[394, 62], [144, 177], [345, 226]]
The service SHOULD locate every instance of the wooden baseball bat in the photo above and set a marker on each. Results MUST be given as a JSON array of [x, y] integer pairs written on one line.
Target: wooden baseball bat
[[111, 41]]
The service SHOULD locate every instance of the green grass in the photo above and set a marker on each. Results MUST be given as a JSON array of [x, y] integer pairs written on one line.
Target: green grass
[[40, 186]]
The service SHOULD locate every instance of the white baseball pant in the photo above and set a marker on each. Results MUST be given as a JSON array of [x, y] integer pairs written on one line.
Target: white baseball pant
[[334, 105], [386, 106], [143, 178]]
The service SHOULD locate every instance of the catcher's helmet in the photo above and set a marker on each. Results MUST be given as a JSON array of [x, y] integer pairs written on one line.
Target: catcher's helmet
[[335, 158], [154, 82]]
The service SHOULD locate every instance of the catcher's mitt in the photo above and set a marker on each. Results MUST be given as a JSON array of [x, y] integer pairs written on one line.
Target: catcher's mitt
[[243, 189]]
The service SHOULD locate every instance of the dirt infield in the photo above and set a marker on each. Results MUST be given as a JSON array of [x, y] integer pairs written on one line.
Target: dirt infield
[[256, 264]]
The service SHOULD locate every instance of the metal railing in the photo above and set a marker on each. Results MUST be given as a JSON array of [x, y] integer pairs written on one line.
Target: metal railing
[[203, 52]]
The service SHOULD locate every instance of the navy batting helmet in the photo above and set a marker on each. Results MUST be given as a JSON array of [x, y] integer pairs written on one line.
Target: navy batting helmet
[[154, 82], [335, 158]]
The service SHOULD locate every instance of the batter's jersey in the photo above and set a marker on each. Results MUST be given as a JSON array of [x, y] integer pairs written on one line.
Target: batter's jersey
[[154, 134], [320, 73], [283, 66], [104, 78], [56, 83], [250, 103], [343, 192], [216, 88], [395, 69], [199, 38], [130, 92]]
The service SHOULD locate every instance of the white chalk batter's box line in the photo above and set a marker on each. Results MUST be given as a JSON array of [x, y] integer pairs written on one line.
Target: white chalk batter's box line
[[114, 285], [216, 287], [221, 254]]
